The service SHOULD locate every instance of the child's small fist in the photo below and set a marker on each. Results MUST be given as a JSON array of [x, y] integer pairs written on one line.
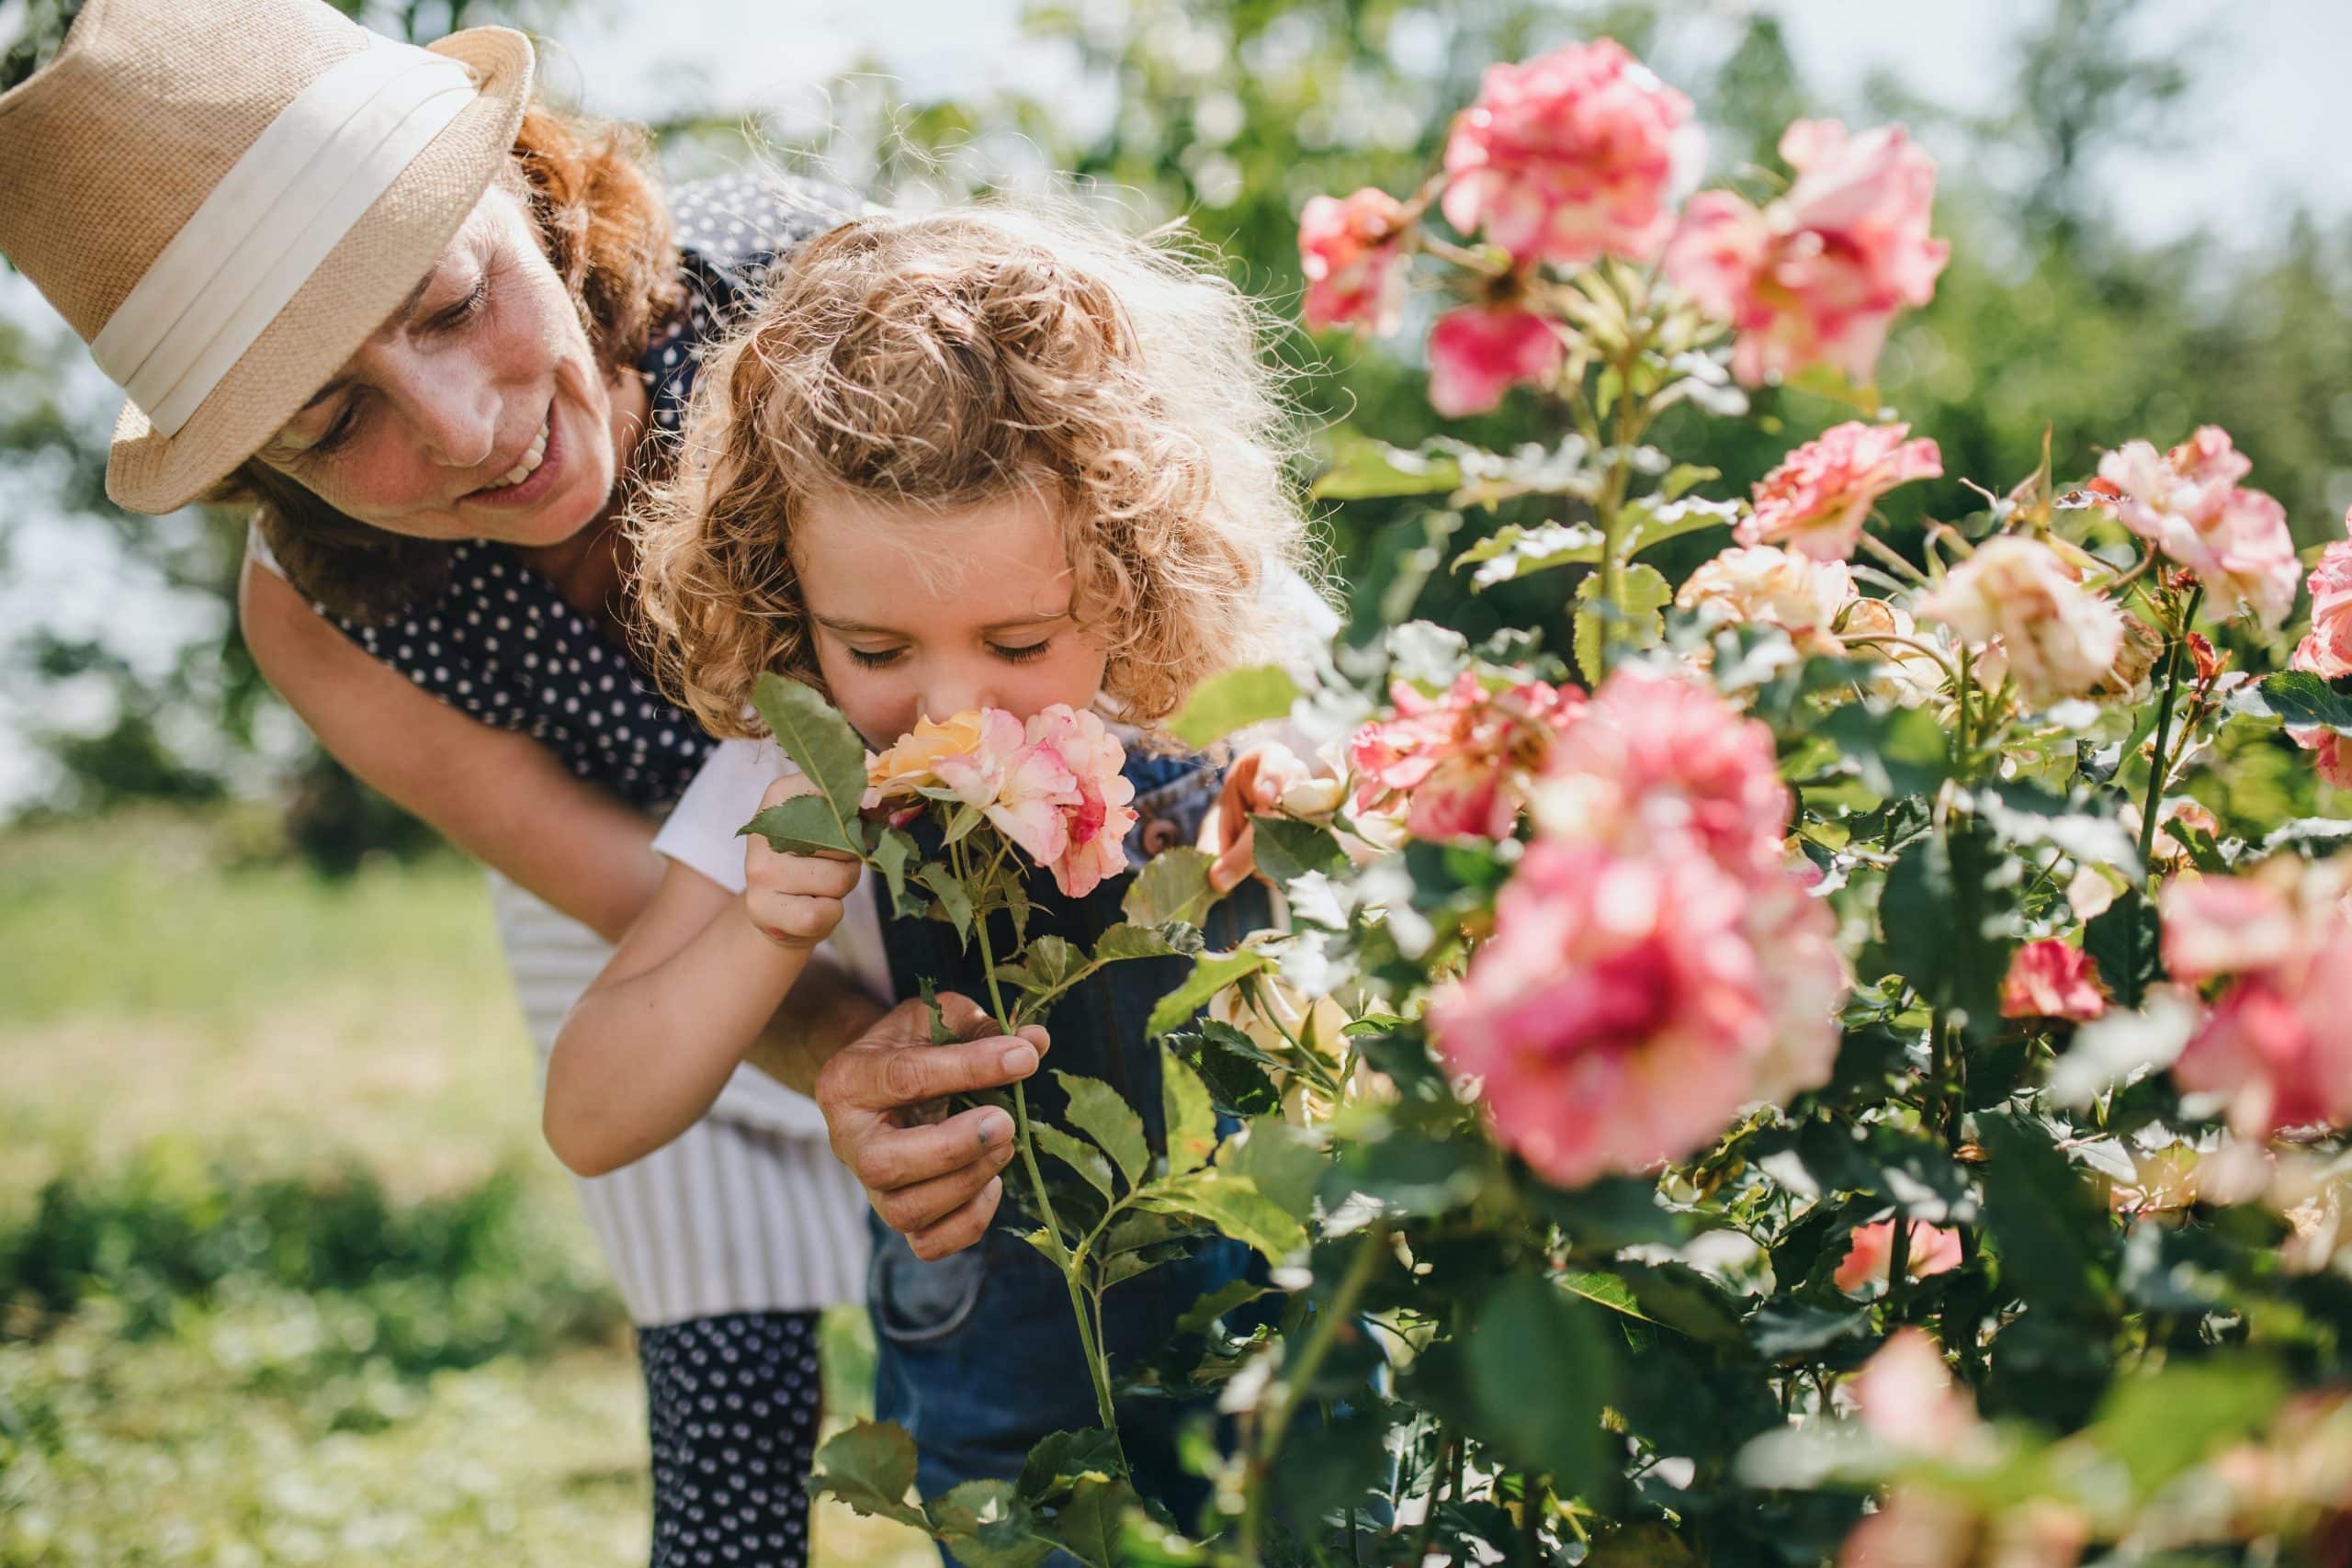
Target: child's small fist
[[794, 900], [1260, 782]]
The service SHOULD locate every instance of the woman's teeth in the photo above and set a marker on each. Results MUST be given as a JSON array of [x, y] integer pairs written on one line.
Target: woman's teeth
[[527, 467]]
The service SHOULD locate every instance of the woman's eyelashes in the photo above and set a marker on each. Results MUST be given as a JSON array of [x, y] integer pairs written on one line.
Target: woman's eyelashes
[[883, 658], [450, 319]]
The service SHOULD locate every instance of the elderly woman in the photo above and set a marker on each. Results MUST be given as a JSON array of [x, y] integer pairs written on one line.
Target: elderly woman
[[434, 332]]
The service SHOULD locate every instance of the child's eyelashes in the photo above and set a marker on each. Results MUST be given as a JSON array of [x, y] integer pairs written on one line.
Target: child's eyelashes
[[883, 658], [1024, 655]]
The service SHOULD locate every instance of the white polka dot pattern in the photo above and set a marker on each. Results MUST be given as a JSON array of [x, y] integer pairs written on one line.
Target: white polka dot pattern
[[734, 1404]]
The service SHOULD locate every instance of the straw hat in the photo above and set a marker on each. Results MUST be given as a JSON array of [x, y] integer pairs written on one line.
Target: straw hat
[[225, 197]]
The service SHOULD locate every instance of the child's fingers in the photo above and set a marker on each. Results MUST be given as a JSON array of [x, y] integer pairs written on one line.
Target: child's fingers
[[791, 919], [960, 1229], [1236, 858], [809, 877]]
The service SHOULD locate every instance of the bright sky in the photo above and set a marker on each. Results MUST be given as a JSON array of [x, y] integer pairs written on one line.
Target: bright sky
[[2263, 130]]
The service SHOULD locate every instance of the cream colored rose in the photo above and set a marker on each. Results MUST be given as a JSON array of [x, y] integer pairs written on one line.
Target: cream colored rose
[[2061, 639]]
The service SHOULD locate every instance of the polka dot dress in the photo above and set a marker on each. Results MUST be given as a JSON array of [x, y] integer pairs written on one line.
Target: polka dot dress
[[499, 642], [736, 1407], [734, 1400]]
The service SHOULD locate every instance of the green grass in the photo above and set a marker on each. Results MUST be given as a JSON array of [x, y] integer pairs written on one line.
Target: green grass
[[285, 1275]]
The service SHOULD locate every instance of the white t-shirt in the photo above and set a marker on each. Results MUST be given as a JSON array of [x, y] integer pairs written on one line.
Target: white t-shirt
[[701, 833]]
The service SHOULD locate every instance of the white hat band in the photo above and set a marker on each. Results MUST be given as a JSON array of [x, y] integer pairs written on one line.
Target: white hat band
[[270, 222]]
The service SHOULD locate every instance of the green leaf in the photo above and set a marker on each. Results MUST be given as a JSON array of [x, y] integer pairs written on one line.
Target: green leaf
[[1191, 1120], [872, 1468], [1361, 469], [940, 1033], [2297, 698], [1217, 1304], [1212, 972], [953, 901], [1047, 963], [1638, 612], [1947, 916], [1681, 477], [1096, 1109], [1237, 1083], [2161, 1425], [1282, 1162], [1141, 1228], [1233, 1205], [817, 737], [1125, 940], [1091, 1525], [2048, 1235], [1513, 552], [1540, 1371], [803, 825], [1234, 700], [1058, 1459], [1076, 1153], [894, 851], [1653, 524], [1782, 1329], [1173, 886], [1287, 848], [959, 826], [987, 1525], [1899, 750]]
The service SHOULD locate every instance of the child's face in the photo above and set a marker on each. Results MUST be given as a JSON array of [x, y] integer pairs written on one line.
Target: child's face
[[924, 615]]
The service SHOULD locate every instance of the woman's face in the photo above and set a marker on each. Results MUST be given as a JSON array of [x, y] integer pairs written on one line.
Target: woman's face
[[916, 615], [476, 412]]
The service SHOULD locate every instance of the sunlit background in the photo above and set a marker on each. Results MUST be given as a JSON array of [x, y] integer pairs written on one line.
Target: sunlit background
[[284, 1274]]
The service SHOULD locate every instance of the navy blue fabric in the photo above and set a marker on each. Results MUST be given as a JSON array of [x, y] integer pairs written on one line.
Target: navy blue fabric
[[733, 1405], [978, 1352], [499, 642]]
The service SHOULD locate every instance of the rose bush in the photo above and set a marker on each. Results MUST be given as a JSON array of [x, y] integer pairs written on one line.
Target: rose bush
[[1859, 1084]]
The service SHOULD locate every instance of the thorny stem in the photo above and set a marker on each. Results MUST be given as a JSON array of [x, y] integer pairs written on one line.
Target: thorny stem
[[2158, 766], [1090, 1342]]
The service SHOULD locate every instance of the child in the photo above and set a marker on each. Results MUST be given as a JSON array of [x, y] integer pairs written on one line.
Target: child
[[979, 459]]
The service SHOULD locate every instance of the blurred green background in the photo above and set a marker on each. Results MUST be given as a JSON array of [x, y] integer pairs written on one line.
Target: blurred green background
[[285, 1276]]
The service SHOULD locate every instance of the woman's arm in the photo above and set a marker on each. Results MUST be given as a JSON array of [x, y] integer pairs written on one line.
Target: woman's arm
[[500, 796]]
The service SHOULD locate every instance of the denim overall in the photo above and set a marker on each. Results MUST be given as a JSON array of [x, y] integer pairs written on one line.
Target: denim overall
[[977, 1352]]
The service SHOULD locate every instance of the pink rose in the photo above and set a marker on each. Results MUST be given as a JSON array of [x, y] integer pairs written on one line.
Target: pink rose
[[1053, 787], [1477, 354], [1657, 756], [1460, 761], [2060, 638], [1087, 843], [1904, 1394], [2277, 1046], [1654, 966], [2051, 980], [2330, 759], [1818, 499], [2188, 504], [2326, 649], [1870, 1254], [1816, 276], [1610, 1018], [1355, 275], [1570, 156]]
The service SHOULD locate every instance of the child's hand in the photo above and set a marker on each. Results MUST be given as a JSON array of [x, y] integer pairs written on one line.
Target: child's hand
[[795, 900], [1262, 780]]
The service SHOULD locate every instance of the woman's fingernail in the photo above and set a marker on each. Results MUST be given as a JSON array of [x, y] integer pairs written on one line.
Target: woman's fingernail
[[997, 1129], [1021, 1061]]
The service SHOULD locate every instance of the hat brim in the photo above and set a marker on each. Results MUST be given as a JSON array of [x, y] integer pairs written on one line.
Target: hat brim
[[355, 290]]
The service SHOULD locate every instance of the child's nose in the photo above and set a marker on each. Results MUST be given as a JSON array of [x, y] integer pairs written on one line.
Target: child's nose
[[957, 691]]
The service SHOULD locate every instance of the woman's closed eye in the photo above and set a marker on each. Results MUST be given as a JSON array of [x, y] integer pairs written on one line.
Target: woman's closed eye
[[450, 319]]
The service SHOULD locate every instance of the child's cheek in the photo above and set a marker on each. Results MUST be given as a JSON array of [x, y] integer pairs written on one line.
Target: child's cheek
[[880, 705]]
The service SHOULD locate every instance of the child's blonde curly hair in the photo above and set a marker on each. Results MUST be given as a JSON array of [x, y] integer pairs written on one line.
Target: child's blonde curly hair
[[939, 361]]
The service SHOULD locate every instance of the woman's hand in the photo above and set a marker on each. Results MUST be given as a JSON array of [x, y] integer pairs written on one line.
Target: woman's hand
[[934, 1179], [794, 900], [1262, 780]]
